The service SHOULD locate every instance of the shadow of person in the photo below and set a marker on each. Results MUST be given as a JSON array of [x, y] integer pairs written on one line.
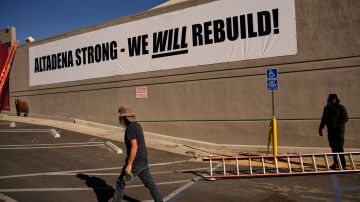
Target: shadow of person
[[103, 191]]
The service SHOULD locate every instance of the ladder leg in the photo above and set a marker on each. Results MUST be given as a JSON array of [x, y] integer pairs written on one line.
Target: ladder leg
[[352, 162], [327, 162], [211, 168], [263, 165], [302, 164], [314, 163], [289, 164]]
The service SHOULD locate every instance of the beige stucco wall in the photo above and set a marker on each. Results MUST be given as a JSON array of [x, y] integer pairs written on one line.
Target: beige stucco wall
[[224, 103], [7, 34]]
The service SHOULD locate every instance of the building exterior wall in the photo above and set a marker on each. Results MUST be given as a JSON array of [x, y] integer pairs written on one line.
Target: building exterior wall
[[223, 103], [7, 37]]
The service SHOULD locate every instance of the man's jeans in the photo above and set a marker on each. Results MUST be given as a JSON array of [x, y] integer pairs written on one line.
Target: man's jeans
[[144, 174]]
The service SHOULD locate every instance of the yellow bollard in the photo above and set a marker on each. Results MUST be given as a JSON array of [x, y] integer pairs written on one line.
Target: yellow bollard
[[274, 133]]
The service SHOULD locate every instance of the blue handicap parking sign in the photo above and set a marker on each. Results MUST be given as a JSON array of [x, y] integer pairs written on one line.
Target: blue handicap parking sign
[[272, 79]]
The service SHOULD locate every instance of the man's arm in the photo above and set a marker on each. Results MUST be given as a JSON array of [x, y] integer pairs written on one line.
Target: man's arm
[[132, 155], [344, 115], [323, 122]]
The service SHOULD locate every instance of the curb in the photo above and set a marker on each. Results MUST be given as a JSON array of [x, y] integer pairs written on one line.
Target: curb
[[113, 147], [96, 125], [195, 144], [55, 133], [55, 118]]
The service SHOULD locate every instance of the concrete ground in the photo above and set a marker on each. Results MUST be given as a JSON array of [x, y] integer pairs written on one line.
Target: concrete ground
[[78, 166]]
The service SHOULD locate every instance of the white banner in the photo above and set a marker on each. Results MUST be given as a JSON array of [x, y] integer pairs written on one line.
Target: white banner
[[216, 32]]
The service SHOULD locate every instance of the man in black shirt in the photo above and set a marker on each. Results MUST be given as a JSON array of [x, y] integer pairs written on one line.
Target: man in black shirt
[[334, 117], [136, 162]]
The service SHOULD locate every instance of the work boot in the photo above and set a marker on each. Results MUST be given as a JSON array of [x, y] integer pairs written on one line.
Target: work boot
[[343, 165], [333, 166]]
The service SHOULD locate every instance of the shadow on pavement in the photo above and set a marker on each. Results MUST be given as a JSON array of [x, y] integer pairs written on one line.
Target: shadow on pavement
[[103, 191]]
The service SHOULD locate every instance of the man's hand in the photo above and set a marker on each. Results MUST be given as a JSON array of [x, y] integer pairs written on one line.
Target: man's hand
[[128, 169], [320, 133]]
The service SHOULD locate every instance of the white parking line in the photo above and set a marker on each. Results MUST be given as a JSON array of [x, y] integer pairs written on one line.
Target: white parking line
[[5, 198], [24, 130], [30, 130], [179, 190], [51, 147], [115, 174], [61, 144], [83, 170], [169, 163], [81, 188], [45, 173]]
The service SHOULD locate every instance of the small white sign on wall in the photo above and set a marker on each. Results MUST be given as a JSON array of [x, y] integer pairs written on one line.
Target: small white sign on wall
[[141, 92]]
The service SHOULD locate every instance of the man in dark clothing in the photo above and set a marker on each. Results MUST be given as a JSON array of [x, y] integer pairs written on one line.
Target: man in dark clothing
[[334, 117], [136, 162]]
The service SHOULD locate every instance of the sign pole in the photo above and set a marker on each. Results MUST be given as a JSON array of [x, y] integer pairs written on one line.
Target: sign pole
[[273, 103], [274, 126], [272, 85]]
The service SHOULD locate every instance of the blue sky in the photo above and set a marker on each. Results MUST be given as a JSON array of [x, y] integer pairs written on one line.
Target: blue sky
[[44, 18]]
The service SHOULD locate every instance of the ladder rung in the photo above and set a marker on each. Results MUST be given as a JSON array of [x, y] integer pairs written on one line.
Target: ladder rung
[[289, 164], [263, 165], [352, 162], [339, 162], [302, 164], [250, 167], [237, 166], [327, 162], [276, 165], [224, 167], [314, 163]]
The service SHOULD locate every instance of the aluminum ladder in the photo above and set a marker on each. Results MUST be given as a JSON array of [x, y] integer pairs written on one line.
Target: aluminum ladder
[[280, 165]]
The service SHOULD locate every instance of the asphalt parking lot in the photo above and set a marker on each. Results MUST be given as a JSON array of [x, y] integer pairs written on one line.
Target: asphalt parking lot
[[36, 166]]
